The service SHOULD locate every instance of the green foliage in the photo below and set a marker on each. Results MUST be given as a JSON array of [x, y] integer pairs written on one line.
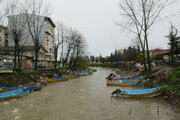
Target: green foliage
[[166, 90], [178, 94], [82, 62], [117, 65], [178, 105], [175, 76], [173, 42], [25, 74]]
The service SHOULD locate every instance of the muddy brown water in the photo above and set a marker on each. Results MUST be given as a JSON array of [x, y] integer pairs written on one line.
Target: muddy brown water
[[85, 98]]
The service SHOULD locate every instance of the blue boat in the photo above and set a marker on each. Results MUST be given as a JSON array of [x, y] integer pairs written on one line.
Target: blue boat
[[32, 87], [151, 92], [125, 82], [14, 93], [50, 80], [6, 71], [82, 74]]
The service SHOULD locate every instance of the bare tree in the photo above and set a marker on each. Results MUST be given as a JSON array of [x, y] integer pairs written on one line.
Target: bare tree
[[4, 9], [60, 39], [35, 12], [17, 35], [75, 46], [81, 47], [140, 16], [75, 38], [69, 45]]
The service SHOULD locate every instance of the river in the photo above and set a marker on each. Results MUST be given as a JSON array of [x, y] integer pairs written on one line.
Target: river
[[85, 98]]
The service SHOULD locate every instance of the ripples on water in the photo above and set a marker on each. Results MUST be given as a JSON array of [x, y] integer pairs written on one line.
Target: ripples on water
[[85, 98]]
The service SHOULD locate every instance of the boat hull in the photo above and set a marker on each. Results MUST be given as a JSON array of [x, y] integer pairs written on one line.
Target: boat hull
[[151, 92], [71, 77], [13, 94], [4, 90], [124, 83], [154, 94], [51, 80], [6, 71]]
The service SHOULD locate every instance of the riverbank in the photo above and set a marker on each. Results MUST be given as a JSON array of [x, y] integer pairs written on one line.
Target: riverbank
[[31, 76], [166, 76]]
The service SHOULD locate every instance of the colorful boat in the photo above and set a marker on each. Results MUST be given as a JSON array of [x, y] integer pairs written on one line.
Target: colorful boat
[[32, 87], [6, 71], [14, 93], [82, 74], [51, 80], [123, 78], [152, 92], [125, 82], [70, 76]]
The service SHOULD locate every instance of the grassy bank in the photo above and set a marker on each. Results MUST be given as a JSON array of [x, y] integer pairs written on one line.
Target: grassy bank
[[172, 91]]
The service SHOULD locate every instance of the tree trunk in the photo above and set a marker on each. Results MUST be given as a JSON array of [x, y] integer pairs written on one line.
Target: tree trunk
[[55, 57], [36, 57], [143, 51], [19, 62], [14, 67], [148, 56], [60, 60]]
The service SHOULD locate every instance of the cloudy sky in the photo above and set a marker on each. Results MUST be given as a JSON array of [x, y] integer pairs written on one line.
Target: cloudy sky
[[95, 20]]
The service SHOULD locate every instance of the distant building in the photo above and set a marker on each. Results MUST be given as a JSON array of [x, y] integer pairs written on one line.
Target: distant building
[[47, 35], [158, 52], [119, 51]]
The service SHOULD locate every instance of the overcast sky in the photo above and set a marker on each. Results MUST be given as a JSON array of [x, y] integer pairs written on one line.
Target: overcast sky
[[95, 20]]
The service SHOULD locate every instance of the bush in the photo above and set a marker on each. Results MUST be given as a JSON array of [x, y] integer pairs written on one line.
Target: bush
[[25, 74], [175, 76], [166, 90], [178, 94]]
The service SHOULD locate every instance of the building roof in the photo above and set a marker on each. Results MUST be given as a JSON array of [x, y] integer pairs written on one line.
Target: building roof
[[159, 52], [50, 21], [46, 18]]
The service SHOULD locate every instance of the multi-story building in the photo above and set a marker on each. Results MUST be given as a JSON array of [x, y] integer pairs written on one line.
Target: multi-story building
[[3, 36], [46, 39]]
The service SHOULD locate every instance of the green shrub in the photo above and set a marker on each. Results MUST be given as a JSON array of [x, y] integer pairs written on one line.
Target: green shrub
[[174, 76], [25, 74], [178, 94], [166, 90]]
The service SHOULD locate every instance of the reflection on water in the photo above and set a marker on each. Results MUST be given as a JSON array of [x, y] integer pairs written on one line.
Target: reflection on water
[[85, 98]]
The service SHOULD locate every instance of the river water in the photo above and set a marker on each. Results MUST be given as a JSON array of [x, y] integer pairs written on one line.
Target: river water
[[85, 98]]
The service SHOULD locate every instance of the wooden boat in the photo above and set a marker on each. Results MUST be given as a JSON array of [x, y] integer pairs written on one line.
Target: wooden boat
[[82, 74], [152, 92], [32, 87], [14, 93], [6, 71], [122, 78], [70, 76], [125, 82], [50, 80]]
